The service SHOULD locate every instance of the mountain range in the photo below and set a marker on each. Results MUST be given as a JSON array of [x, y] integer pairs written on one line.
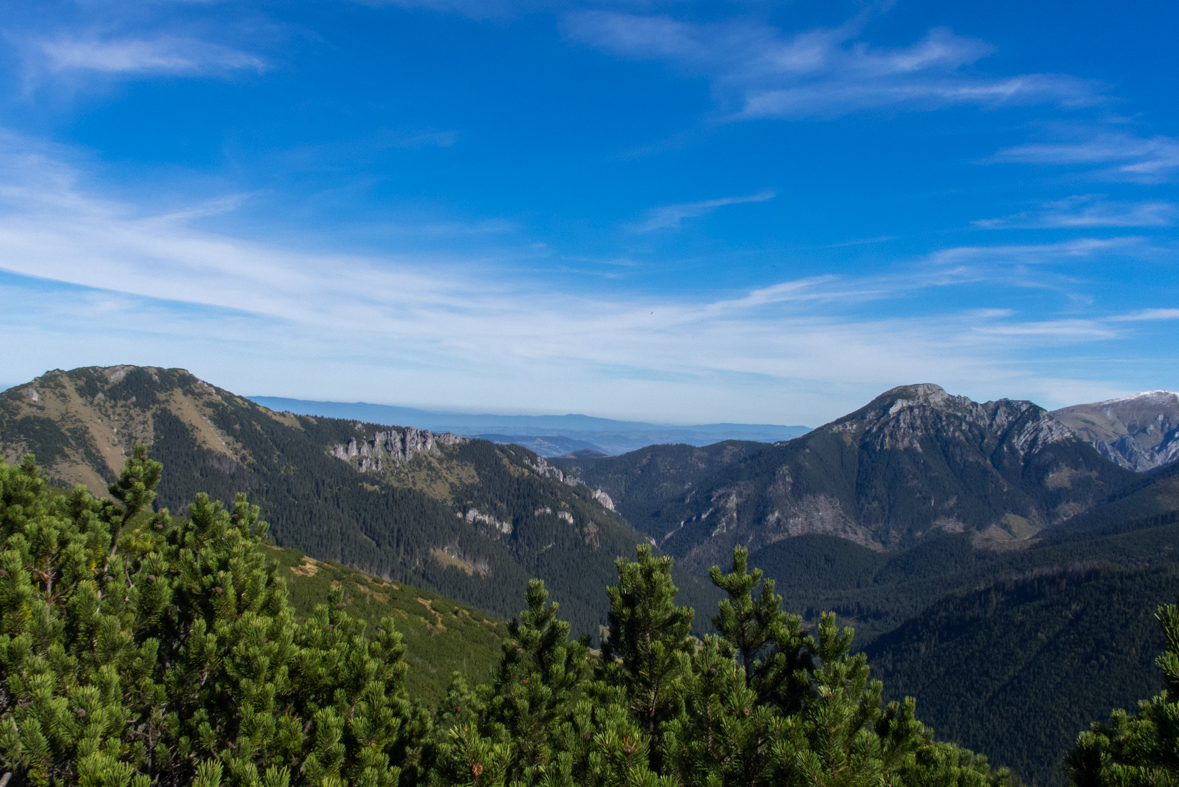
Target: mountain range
[[979, 549], [913, 462]]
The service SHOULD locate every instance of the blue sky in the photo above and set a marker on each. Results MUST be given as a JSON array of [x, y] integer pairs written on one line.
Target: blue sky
[[658, 209]]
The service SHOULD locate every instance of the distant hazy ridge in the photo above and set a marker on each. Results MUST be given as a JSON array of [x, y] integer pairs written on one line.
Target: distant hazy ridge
[[580, 431]]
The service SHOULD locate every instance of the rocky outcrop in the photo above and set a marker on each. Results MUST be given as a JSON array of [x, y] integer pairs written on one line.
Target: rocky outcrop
[[603, 499], [545, 470], [1139, 433], [904, 417], [815, 514], [394, 445], [474, 515]]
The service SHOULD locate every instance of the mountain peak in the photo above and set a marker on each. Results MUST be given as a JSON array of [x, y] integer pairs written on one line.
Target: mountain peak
[[905, 416], [919, 392]]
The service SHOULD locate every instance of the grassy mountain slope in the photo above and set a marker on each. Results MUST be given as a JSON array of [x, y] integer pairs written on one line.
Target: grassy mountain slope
[[468, 519]]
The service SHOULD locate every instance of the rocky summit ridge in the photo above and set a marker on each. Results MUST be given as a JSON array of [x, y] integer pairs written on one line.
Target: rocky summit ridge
[[913, 462], [903, 416], [1139, 432], [396, 445]]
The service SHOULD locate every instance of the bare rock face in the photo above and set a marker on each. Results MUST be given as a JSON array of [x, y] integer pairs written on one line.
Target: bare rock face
[[905, 416], [545, 470], [604, 499], [395, 445], [1139, 433], [497, 526]]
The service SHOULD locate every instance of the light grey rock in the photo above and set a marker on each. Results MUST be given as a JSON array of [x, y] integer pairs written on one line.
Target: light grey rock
[[397, 445], [1140, 432], [603, 499]]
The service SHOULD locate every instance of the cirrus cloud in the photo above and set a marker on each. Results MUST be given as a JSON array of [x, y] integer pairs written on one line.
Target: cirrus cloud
[[160, 55], [822, 72], [1116, 156], [668, 216], [420, 327]]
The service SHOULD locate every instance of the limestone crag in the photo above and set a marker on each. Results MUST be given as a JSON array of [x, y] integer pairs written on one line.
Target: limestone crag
[[544, 469], [399, 445], [604, 499], [396, 445], [474, 515]]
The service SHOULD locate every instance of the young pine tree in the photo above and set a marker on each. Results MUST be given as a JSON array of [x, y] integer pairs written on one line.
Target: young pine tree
[[753, 627], [538, 683], [649, 636]]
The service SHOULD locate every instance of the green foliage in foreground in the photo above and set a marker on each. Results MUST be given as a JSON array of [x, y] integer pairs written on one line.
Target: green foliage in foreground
[[138, 649], [169, 654]]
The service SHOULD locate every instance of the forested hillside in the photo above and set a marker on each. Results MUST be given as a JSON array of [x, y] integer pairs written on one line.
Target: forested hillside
[[880, 591], [641, 481], [1020, 667], [468, 519], [959, 628]]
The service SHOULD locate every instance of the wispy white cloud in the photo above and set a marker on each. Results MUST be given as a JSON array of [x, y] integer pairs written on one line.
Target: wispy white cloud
[[667, 216], [92, 280], [1073, 330], [1148, 315], [161, 55], [1085, 211], [1113, 155], [822, 72], [1037, 253]]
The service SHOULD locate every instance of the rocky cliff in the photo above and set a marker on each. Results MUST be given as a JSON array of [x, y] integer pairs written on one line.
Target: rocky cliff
[[1140, 432]]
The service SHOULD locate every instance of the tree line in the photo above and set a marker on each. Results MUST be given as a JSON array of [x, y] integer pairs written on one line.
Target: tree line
[[139, 649]]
